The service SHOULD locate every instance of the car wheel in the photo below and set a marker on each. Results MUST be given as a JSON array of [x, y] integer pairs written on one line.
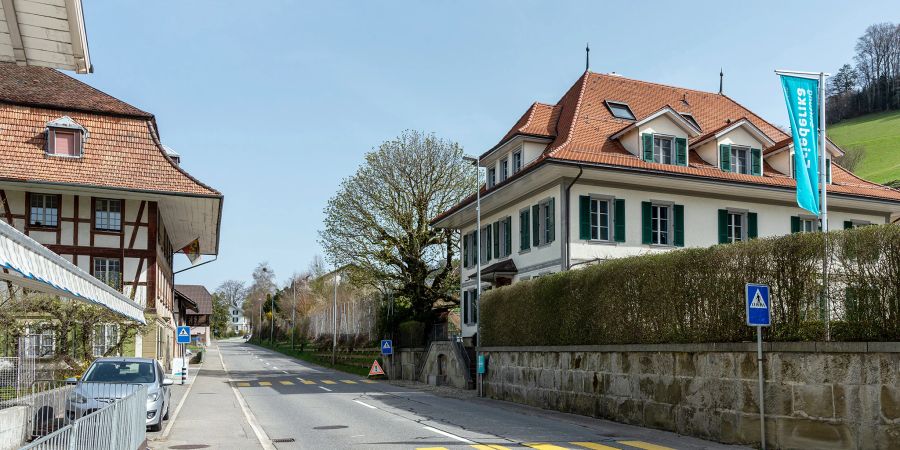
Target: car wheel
[[166, 417], [156, 426]]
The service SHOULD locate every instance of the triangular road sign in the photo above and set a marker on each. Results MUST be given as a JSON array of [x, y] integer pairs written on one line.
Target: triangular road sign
[[376, 369], [757, 301]]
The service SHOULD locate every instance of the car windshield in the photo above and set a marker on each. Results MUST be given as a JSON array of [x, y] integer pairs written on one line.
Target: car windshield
[[120, 372]]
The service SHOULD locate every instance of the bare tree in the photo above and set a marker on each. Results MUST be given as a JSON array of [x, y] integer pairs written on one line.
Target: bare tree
[[233, 293]]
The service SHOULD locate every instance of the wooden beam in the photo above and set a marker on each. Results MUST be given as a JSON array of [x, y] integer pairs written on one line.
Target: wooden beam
[[15, 37]]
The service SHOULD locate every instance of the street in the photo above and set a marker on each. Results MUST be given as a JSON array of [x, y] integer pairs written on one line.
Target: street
[[291, 404]]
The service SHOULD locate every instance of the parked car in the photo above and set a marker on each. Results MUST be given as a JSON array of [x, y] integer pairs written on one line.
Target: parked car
[[108, 379]]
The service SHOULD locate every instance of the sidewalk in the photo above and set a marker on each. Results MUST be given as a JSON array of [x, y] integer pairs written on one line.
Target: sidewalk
[[211, 415]]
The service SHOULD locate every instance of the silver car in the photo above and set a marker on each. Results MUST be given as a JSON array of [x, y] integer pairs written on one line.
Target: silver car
[[108, 379]]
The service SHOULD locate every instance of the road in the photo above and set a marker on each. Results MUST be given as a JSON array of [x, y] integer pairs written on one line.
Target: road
[[290, 404]]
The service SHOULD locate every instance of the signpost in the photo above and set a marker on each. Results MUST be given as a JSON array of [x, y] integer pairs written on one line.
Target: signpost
[[183, 337], [759, 314], [387, 349]]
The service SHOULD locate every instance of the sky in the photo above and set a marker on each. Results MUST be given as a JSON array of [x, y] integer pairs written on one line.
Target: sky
[[273, 103]]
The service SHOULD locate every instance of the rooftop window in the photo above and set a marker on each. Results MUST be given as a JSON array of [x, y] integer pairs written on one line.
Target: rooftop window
[[65, 137], [620, 110]]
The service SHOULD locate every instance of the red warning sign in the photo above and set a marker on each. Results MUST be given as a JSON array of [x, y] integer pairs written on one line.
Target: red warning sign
[[376, 369]]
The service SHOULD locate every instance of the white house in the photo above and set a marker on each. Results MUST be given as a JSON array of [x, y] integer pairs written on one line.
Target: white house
[[622, 167], [237, 322]]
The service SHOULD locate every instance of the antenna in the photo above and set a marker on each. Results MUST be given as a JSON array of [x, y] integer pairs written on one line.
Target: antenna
[[587, 57], [721, 79]]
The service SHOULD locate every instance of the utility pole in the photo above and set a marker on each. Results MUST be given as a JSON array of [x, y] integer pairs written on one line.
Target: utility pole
[[294, 312], [272, 327], [334, 336]]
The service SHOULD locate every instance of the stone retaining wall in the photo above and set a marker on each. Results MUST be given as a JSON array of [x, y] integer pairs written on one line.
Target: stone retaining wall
[[818, 395]]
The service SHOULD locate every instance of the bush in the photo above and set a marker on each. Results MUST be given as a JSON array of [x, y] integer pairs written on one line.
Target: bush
[[697, 295]]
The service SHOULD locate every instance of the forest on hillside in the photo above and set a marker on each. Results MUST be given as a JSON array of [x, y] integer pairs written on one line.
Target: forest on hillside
[[872, 83]]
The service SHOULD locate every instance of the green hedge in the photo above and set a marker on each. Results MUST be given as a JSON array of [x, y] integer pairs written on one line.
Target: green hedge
[[697, 295]]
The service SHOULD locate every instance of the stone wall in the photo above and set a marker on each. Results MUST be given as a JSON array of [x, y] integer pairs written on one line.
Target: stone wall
[[405, 361], [445, 365], [817, 395]]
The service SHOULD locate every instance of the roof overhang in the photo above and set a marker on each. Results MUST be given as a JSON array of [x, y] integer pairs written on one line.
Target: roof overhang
[[666, 111], [40, 33], [833, 149], [513, 141], [742, 123], [31, 265]]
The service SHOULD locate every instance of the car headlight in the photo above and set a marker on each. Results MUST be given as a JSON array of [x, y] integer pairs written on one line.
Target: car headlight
[[77, 398], [152, 397]]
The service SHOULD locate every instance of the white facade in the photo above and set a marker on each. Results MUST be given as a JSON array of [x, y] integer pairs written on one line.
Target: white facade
[[237, 322]]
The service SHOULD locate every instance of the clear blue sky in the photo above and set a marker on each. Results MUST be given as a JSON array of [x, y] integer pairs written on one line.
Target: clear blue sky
[[274, 102]]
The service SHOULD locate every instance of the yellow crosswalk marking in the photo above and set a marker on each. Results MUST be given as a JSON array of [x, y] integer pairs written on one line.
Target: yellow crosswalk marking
[[645, 445], [306, 381], [287, 383], [489, 447], [594, 446], [265, 383], [243, 384], [545, 446], [329, 382], [348, 381]]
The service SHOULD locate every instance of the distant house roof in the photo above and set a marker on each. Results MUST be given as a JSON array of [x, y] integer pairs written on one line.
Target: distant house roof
[[197, 294]]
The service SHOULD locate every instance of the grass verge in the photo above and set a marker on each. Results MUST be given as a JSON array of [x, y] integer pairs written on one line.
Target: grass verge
[[310, 357]]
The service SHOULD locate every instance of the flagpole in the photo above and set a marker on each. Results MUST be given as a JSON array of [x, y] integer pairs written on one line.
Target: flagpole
[[823, 204]]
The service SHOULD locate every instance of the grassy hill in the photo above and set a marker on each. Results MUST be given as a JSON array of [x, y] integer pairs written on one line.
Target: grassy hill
[[879, 134]]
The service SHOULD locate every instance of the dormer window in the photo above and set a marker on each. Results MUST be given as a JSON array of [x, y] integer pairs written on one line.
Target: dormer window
[[620, 110], [65, 137], [491, 177], [504, 169], [662, 149], [517, 160], [740, 159]]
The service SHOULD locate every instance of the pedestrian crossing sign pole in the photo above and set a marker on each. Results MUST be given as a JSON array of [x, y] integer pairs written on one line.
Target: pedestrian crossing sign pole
[[759, 315]]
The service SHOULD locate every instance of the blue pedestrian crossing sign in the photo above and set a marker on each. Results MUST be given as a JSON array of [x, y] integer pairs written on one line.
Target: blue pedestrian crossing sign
[[387, 347], [759, 311], [183, 335]]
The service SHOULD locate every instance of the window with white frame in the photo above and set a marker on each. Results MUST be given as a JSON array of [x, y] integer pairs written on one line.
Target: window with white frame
[[486, 243], [108, 214], [491, 177], [620, 110], [105, 337], [44, 211], [659, 224], [40, 342], [517, 160], [740, 159], [663, 149], [737, 228], [109, 271], [808, 225], [504, 169], [599, 219]]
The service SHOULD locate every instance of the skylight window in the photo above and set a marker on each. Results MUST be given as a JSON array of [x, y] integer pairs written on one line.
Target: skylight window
[[620, 110]]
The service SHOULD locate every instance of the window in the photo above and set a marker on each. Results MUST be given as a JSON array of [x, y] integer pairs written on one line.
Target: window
[[503, 237], [662, 149], [599, 219], [851, 224], [105, 337], [525, 230], [44, 211], [543, 222], [504, 169], [517, 160], [65, 137], [736, 228], [108, 214], [491, 177], [109, 271], [804, 224], [620, 110], [39, 343], [659, 223], [807, 225], [486, 243], [739, 159], [470, 306]]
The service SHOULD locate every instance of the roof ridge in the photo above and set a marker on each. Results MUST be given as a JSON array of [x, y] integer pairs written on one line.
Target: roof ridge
[[530, 116], [619, 77], [584, 78], [104, 93]]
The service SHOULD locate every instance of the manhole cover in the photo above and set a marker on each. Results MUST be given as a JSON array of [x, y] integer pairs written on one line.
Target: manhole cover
[[189, 446], [279, 440], [330, 427]]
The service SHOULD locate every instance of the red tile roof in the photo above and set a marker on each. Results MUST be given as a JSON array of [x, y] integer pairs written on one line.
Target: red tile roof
[[121, 152], [199, 295], [584, 125]]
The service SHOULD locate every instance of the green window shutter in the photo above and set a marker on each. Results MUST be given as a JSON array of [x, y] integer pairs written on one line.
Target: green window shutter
[[725, 156], [752, 231], [496, 239], [584, 217], [488, 242], [465, 240], [828, 172], [551, 221], [619, 218], [679, 225], [723, 226], [508, 226], [646, 226], [755, 161], [848, 225], [524, 230], [795, 224], [647, 146], [465, 307], [681, 158], [536, 225]]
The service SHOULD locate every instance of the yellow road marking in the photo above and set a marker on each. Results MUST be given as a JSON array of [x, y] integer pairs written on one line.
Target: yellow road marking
[[243, 384], [329, 382], [265, 383], [287, 383], [306, 381], [489, 447], [645, 445], [594, 446], [431, 448], [545, 446], [348, 381]]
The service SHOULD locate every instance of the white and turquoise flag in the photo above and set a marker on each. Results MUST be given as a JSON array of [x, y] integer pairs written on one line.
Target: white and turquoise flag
[[802, 97]]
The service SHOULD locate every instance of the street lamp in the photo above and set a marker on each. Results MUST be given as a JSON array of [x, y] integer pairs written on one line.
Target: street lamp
[[477, 162], [337, 280]]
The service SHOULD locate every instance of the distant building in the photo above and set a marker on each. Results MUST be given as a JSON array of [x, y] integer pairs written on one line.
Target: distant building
[[238, 323], [199, 313]]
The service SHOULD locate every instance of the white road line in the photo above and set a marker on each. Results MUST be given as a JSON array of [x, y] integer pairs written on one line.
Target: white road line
[[285, 371], [451, 436], [324, 388], [364, 404], [261, 436], [274, 367]]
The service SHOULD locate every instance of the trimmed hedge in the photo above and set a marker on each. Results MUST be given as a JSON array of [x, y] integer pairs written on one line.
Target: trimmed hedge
[[697, 295]]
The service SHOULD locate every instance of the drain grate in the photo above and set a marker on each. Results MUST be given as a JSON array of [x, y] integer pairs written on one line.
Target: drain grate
[[330, 427], [280, 440], [189, 446]]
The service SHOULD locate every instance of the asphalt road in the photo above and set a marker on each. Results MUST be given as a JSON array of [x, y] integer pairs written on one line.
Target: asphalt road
[[300, 405]]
